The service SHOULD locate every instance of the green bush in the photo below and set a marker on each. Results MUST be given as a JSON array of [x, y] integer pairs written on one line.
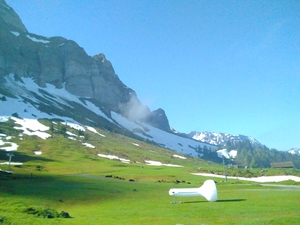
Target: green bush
[[46, 213]]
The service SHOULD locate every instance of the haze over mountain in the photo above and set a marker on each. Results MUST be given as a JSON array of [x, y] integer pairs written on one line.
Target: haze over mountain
[[54, 78]]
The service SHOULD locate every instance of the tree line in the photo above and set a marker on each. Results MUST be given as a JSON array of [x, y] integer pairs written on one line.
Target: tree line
[[260, 156], [248, 155]]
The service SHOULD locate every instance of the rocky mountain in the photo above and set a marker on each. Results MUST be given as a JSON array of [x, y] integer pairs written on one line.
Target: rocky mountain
[[53, 77], [63, 63], [11, 17], [221, 139]]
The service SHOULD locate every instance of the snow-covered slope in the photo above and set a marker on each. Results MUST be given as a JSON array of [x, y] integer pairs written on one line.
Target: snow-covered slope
[[220, 139], [28, 102], [163, 138]]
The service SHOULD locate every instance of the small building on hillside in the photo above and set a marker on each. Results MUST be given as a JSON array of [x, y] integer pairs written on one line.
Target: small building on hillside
[[288, 164]]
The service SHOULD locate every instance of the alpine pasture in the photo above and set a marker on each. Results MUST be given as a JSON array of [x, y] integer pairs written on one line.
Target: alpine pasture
[[64, 180]]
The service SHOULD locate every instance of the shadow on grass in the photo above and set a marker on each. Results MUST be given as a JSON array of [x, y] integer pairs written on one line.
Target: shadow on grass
[[223, 200], [20, 157], [60, 188]]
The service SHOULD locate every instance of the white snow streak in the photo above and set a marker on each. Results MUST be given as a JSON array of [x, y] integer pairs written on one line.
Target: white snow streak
[[37, 40], [255, 179], [114, 157], [157, 163]]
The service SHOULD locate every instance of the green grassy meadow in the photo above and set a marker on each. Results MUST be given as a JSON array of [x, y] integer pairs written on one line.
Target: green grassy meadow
[[72, 178]]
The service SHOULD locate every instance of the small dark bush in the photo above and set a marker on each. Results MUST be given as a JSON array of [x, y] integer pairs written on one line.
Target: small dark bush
[[46, 213], [64, 215]]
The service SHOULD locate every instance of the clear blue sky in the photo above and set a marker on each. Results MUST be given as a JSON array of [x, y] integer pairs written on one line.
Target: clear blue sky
[[220, 66]]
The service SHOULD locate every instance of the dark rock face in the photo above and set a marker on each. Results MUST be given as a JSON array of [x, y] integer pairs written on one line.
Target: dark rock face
[[58, 61], [63, 63], [11, 17], [158, 119]]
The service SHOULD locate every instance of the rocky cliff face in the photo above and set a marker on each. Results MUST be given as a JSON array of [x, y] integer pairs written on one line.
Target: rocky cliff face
[[63, 63], [158, 118], [11, 17]]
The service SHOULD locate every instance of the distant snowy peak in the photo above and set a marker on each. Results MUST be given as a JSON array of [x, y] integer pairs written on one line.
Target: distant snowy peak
[[221, 138], [294, 151]]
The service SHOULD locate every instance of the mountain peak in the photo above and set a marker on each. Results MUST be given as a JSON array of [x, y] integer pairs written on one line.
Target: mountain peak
[[11, 17], [222, 138], [64, 64], [158, 119]]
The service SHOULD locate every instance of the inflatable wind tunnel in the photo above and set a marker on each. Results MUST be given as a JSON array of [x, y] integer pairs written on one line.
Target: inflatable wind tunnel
[[208, 190]]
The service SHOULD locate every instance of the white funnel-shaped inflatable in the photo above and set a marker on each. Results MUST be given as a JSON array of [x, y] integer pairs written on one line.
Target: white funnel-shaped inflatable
[[208, 190]]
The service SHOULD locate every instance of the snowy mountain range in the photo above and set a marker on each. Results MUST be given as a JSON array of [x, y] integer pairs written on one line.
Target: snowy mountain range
[[221, 139]]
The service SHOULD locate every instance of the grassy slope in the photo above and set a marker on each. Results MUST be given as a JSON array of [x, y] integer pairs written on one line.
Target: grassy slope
[[71, 177]]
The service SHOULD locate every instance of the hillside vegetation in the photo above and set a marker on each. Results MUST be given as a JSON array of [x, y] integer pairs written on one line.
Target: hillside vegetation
[[69, 179], [260, 156]]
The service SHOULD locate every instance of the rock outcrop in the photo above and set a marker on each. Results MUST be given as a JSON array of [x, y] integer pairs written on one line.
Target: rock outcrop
[[65, 64], [11, 17], [158, 119]]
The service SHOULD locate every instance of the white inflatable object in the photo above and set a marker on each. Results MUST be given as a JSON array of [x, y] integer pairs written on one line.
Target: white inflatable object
[[208, 190]]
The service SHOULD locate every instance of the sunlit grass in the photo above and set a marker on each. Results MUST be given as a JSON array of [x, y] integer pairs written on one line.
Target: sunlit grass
[[71, 177], [89, 199]]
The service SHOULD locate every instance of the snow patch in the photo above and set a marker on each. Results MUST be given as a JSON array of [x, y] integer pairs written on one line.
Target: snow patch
[[157, 163], [88, 145], [37, 40], [233, 153], [96, 110], [95, 131], [74, 126], [4, 119], [71, 134], [228, 155], [72, 138], [179, 156], [32, 127], [12, 163], [114, 157], [12, 147], [15, 33]]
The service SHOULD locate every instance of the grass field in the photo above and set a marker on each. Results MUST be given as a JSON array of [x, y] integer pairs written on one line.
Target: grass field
[[70, 177], [99, 200]]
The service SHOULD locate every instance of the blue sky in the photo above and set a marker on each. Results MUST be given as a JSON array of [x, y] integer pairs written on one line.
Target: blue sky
[[220, 66]]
